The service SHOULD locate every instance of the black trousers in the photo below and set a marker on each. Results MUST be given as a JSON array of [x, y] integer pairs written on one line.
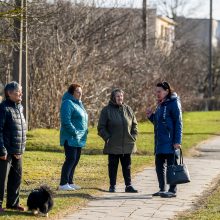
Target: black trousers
[[161, 160], [113, 161], [72, 158], [13, 175]]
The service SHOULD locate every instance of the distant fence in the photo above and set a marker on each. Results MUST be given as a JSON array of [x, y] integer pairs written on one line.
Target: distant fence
[[209, 104]]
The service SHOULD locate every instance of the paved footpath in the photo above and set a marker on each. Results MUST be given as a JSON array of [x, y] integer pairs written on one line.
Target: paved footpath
[[121, 205]]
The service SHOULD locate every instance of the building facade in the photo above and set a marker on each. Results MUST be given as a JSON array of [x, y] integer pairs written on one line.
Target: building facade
[[196, 32]]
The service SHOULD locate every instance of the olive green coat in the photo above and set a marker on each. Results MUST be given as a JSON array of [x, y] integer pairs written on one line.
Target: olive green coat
[[118, 128]]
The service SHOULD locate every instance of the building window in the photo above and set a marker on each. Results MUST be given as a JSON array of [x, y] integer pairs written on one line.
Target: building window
[[166, 34], [162, 31]]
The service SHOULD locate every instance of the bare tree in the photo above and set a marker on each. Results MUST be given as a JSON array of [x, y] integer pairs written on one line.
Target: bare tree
[[101, 48], [144, 40]]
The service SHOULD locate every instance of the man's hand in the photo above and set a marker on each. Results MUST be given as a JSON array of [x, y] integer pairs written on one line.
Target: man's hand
[[3, 157], [17, 156], [177, 146]]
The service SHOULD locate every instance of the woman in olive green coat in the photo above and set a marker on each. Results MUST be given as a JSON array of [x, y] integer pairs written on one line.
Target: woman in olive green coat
[[118, 128]]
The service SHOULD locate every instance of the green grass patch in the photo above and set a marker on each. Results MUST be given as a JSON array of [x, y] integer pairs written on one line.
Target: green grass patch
[[44, 158], [209, 208], [44, 168], [198, 126]]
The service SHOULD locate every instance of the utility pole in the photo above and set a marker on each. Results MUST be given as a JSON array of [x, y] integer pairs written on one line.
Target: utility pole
[[144, 17], [210, 56], [19, 72], [25, 62], [21, 42], [16, 72]]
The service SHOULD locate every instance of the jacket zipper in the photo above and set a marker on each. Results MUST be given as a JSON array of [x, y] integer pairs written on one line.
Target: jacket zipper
[[164, 120], [21, 127], [123, 125], [157, 119]]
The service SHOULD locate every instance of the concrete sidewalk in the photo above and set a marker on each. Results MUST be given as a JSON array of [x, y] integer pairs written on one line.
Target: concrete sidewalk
[[141, 205]]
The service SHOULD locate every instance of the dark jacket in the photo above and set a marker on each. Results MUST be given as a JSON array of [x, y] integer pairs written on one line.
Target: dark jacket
[[118, 127], [167, 121], [12, 128]]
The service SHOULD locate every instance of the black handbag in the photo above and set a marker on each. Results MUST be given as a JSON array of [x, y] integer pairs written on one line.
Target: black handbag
[[177, 174]]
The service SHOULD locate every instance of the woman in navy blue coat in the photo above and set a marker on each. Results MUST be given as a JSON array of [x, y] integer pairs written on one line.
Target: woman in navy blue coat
[[167, 121]]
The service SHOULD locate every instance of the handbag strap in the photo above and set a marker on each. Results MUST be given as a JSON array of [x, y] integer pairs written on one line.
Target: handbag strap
[[181, 157]]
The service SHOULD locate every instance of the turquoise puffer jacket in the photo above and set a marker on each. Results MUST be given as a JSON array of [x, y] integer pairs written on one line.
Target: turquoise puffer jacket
[[74, 122]]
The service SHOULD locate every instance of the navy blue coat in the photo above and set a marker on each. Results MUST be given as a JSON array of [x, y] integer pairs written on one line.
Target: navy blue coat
[[167, 121]]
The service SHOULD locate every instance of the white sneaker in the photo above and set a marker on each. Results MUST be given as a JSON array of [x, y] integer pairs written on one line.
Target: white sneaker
[[75, 186], [65, 187]]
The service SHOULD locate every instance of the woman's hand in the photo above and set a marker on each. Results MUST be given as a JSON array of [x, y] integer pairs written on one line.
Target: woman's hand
[[149, 112], [17, 156], [177, 146]]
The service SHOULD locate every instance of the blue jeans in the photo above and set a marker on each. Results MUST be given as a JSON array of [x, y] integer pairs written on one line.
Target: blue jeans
[[72, 158], [160, 161]]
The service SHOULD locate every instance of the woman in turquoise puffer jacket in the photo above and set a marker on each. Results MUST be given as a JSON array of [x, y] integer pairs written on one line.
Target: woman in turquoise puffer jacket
[[167, 121], [73, 133]]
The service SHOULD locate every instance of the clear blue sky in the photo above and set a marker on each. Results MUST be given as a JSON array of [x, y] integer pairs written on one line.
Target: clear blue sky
[[200, 7]]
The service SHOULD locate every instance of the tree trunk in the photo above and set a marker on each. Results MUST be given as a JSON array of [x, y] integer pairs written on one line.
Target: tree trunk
[[144, 16]]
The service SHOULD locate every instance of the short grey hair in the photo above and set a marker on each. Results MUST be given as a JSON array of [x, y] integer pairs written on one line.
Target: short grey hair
[[12, 86]]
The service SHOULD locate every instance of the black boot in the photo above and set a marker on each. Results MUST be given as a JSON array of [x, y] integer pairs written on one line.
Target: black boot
[[130, 189], [112, 189]]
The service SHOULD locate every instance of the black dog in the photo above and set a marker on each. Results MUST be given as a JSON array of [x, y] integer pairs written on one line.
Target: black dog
[[40, 200]]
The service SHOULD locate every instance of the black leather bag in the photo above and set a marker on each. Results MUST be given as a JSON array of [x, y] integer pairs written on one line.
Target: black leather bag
[[178, 174]]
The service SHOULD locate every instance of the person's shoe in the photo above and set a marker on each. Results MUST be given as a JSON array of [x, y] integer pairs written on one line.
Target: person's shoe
[[65, 187], [158, 193], [168, 195], [76, 187], [1, 210], [17, 207], [112, 189], [130, 189]]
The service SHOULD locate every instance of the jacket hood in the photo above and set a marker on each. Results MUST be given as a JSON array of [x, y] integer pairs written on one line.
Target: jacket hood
[[172, 98], [68, 96], [112, 103], [112, 97]]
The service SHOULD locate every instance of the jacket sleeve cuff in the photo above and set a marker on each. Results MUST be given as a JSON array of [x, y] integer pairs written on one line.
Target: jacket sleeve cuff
[[3, 151], [151, 118], [106, 137]]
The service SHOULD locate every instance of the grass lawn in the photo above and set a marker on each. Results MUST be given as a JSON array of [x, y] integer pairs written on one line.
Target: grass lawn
[[44, 157], [208, 208]]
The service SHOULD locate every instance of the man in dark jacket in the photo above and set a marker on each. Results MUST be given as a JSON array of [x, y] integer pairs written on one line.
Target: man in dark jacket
[[118, 128], [12, 145]]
